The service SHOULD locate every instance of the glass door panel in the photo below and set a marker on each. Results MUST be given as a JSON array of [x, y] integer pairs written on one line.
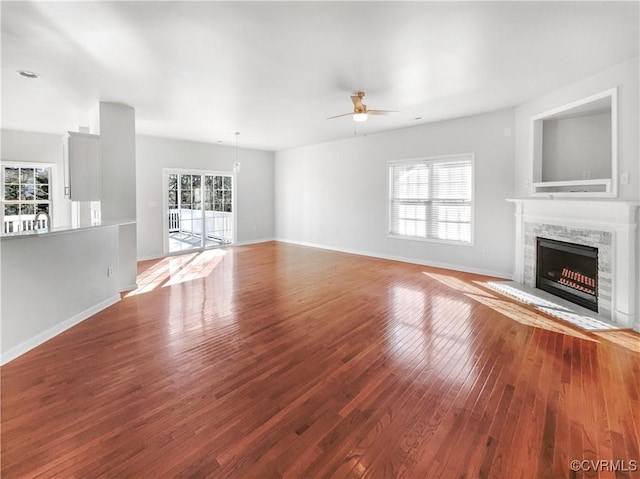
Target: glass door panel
[[183, 215], [200, 211], [219, 214]]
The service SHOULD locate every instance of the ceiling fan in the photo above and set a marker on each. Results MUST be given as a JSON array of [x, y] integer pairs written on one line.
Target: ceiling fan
[[360, 111]]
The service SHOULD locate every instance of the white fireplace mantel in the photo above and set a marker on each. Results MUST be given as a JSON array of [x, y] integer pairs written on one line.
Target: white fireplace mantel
[[616, 217]]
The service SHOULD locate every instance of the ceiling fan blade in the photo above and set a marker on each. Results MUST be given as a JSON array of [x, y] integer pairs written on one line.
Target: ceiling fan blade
[[338, 116], [381, 112]]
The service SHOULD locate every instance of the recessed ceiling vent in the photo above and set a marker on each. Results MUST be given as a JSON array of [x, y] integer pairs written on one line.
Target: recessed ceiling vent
[[28, 74]]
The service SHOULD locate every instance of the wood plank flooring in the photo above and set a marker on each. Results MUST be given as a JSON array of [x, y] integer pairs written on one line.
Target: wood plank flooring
[[275, 360]]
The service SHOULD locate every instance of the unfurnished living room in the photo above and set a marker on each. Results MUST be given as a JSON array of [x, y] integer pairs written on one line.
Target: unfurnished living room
[[320, 239]]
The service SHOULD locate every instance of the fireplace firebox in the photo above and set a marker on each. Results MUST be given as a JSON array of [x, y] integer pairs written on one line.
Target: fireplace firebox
[[569, 271]]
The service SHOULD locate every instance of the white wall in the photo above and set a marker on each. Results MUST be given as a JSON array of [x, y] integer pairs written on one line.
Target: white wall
[[32, 147], [254, 187], [625, 77], [43, 293], [573, 146], [335, 195]]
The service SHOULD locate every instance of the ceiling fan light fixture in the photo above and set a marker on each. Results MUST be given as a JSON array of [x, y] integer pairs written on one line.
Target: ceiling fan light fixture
[[360, 117]]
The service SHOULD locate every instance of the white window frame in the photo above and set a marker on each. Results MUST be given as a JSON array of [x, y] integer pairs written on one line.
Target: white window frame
[[431, 159], [23, 164]]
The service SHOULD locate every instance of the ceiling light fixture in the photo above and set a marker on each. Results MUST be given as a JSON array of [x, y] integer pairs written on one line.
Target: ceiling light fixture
[[28, 74], [360, 117]]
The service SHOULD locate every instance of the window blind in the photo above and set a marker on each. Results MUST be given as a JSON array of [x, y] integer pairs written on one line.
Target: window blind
[[432, 198]]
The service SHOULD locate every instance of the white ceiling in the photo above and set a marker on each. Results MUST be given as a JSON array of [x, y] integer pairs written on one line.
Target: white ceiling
[[275, 71]]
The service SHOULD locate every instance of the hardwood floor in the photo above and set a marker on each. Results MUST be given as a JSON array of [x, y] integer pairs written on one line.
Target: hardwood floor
[[276, 360]]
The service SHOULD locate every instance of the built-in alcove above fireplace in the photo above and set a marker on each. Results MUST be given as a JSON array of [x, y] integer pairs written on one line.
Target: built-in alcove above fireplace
[[604, 230]]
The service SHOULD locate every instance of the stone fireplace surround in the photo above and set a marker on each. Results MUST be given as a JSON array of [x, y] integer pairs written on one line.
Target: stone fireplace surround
[[609, 226]]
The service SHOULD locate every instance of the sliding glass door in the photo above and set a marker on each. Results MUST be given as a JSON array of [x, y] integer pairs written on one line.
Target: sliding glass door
[[199, 210]]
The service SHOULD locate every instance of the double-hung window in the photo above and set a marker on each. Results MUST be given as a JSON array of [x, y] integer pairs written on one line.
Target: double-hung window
[[432, 199], [25, 192]]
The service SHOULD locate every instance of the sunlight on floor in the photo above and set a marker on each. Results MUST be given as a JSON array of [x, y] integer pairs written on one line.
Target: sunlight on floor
[[524, 315], [177, 269], [200, 267], [626, 339], [527, 317], [159, 272], [458, 284], [505, 307], [552, 308]]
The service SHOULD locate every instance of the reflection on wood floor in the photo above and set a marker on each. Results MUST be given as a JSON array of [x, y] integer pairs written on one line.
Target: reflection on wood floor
[[275, 360]]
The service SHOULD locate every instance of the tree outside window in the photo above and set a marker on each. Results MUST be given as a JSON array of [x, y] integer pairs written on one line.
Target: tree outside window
[[25, 193]]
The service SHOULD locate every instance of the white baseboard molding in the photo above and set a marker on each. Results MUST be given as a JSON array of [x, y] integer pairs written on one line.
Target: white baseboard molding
[[263, 240], [434, 264], [44, 336], [129, 287], [147, 258]]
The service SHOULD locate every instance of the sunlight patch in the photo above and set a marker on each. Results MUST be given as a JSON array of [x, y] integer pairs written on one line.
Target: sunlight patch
[[177, 269], [200, 267], [552, 308], [457, 284]]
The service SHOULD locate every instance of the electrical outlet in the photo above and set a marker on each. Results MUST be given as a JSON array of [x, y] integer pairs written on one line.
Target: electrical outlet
[[586, 175], [624, 178], [110, 271]]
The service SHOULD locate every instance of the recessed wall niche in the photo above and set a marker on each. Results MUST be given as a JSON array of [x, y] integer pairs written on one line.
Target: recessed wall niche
[[575, 148]]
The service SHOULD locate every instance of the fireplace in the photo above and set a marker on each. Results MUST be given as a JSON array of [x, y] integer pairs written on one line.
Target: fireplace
[[609, 226], [569, 271]]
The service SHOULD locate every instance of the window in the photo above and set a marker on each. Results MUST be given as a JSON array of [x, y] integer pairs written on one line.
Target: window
[[25, 193], [431, 199]]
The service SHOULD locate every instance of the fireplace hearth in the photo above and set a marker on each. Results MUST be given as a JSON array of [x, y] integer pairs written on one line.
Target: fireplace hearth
[[569, 271]]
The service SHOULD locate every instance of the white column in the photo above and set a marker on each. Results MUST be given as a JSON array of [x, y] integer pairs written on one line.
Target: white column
[[118, 182]]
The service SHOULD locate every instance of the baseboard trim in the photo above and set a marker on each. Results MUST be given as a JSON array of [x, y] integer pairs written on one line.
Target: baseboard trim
[[245, 243], [147, 258], [129, 287], [403, 259], [50, 333]]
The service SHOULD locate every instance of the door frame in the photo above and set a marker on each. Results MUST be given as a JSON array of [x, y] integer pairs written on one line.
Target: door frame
[[165, 205]]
